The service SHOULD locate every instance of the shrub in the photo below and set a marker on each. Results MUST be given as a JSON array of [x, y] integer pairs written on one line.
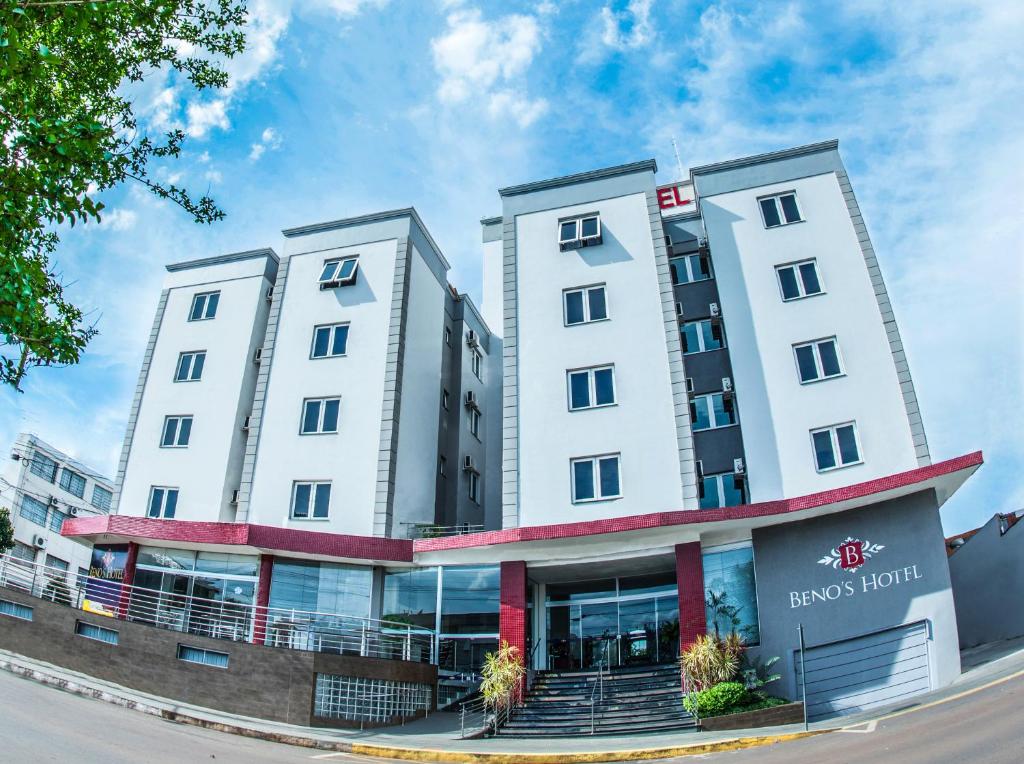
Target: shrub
[[710, 660], [723, 698], [502, 676]]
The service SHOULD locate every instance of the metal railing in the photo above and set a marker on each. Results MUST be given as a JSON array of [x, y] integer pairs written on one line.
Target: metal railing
[[222, 619], [430, 531], [474, 715], [597, 693]]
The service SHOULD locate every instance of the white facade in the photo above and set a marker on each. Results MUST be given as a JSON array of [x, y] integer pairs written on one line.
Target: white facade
[[41, 488]]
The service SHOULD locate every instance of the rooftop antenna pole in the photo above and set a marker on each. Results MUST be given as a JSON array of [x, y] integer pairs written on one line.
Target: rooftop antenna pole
[[679, 164]]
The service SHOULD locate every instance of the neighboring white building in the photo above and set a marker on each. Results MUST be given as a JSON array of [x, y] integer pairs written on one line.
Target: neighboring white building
[[42, 487]]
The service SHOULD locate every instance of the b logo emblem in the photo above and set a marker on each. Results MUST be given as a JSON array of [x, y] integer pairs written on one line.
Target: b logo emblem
[[851, 554]]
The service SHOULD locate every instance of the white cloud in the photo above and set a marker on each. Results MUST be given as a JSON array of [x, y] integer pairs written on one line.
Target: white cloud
[[270, 139], [628, 29], [487, 61], [119, 219]]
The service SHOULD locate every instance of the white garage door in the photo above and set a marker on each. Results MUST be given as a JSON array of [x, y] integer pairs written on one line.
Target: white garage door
[[864, 672]]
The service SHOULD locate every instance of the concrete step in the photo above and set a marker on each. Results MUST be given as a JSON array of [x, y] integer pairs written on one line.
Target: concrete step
[[534, 696], [668, 706], [531, 730]]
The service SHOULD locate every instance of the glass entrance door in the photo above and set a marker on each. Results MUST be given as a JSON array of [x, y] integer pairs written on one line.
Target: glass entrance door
[[599, 627]]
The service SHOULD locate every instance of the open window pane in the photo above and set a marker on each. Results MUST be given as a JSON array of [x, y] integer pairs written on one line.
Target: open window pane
[[322, 501], [579, 390], [691, 342], [789, 209], [583, 480], [327, 274], [712, 335], [311, 416], [848, 453], [678, 267], [711, 498], [700, 414], [348, 268], [331, 415], [829, 358], [733, 491], [701, 267], [770, 212], [301, 504], [567, 231], [340, 344], [598, 309], [574, 308], [805, 362], [609, 467], [823, 455], [588, 227], [604, 387]]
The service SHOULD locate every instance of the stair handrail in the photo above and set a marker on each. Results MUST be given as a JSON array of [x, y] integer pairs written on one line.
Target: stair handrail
[[598, 688], [471, 711]]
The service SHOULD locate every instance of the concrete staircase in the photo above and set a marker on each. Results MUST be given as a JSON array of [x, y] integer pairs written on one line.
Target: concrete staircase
[[637, 699]]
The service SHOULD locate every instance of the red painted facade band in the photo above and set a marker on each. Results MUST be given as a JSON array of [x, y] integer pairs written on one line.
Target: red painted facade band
[[263, 597], [690, 580], [512, 613]]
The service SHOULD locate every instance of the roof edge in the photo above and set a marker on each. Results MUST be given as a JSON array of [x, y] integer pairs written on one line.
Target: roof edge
[[232, 257], [581, 177], [771, 156]]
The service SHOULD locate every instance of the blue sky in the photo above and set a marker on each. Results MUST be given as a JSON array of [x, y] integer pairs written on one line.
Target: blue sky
[[341, 107]]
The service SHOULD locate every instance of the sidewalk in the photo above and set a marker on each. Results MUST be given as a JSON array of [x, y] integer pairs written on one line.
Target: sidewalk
[[436, 737]]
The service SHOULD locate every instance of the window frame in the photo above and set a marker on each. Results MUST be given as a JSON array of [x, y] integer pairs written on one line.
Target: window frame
[[832, 430], [103, 506], [579, 241], [38, 461], [333, 329], [591, 387], [311, 509], [473, 487], [596, 461], [818, 364], [689, 268], [177, 430], [795, 266], [162, 513], [320, 416], [719, 477], [334, 282], [476, 362], [73, 474], [206, 306], [475, 415], [700, 335], [191, 355], [586, 304], [711, 409], [776, 199]]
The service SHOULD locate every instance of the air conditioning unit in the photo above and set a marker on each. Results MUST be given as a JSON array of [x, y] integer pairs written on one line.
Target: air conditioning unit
[[689, 384], [702, 246], [246, 422], [471, 339], [234, 495], [73, 511], [53, 501], [270, 294], [738, 466], [727, 384], [468, 465], [471, 400], [679, 309], [257, 357], [39, 542], [715, 310], [700, 469]]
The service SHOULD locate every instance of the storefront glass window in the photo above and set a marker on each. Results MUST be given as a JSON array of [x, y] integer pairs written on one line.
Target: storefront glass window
[[321, 587], [469, 600], [730, 594], [410, 596]]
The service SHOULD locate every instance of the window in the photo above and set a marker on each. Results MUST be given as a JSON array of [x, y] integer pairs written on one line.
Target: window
[[324, 587], [204, 306], [725, 490], [591, 388], [780, 209], [56, 566], [474, 486], [101, 498], [835, 446], [329, 341], [476, 361], [584, 305], [818, 360], [43, 466], [100, 634], [320, 416], [700, 336], [448, 336], [202, 656], [82, 579], [798, 280], [595, 478], [190, 366], [689, 268], [34, 510], [72, 482], [311, 500], [339, 272], [708, 412], [579, 232], [442, 466], [731, 593], [177, 430], [15, 610], [445, 399], [474, 422], [163, 501], [57, 520]]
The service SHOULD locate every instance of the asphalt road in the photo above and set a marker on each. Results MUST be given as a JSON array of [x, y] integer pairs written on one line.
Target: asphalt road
[[986, 727], [43, 724]]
